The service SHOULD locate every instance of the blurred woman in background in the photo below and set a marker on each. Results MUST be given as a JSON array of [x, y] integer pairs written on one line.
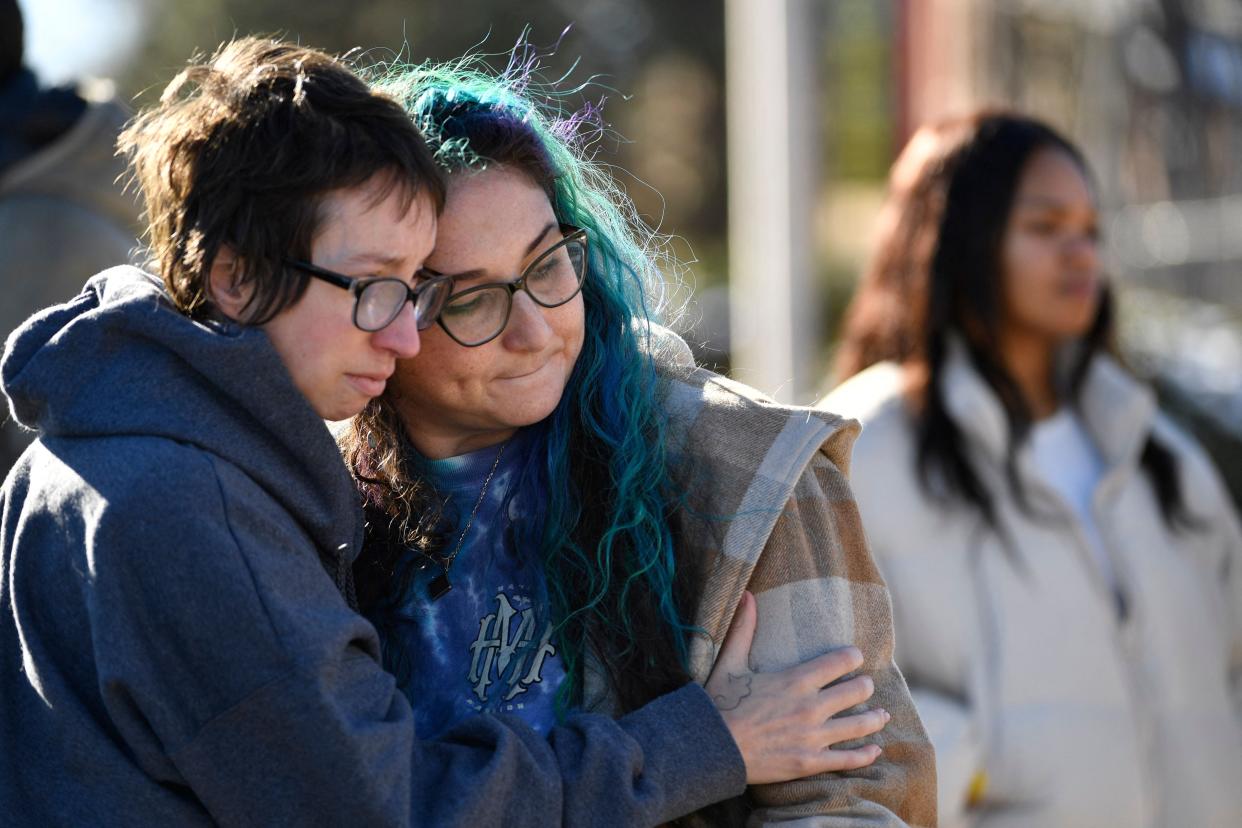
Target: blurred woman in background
[[564, 513], [1065, 568]]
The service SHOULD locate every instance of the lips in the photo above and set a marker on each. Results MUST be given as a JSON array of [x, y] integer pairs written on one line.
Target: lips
[[1079, 286], [369, 385]]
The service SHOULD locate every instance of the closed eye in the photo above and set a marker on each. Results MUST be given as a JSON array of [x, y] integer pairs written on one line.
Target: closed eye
[[465, 306], [543, 270]]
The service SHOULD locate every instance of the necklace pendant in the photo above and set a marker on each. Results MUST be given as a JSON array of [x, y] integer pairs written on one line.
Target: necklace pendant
[[439, 586]]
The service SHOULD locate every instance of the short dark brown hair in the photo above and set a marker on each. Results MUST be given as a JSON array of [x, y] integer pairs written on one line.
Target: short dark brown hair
[[241, 151]]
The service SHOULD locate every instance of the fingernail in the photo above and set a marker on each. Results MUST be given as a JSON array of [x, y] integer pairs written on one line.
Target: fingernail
[[888, 717]]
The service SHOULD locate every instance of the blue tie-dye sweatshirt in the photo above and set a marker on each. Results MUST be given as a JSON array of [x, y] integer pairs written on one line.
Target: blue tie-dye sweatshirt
[[486, 644]]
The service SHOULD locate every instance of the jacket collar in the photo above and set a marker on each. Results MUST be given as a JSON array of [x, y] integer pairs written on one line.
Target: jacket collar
[[1116, 409]]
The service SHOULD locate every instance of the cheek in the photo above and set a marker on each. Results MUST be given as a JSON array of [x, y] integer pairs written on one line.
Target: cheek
[[317, 359], [572, 327], [435, 348], [1030, 273], [307, 343], [1026, 259], [442, 372]]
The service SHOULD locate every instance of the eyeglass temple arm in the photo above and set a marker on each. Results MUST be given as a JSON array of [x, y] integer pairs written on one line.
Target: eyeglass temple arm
[[326, 275]]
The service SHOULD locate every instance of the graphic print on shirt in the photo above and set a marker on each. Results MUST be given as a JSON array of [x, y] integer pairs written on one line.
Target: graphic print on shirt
[[488, 645], [506, 652]]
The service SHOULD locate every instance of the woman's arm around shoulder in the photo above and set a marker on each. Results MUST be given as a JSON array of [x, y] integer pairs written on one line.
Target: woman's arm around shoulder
[[818, 589], [232, 666]]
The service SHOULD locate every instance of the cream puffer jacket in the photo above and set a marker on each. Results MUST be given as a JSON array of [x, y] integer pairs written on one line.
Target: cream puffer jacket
[[1047, 706]]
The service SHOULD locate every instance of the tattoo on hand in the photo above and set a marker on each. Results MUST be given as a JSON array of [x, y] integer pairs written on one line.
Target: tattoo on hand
[[738, 683]]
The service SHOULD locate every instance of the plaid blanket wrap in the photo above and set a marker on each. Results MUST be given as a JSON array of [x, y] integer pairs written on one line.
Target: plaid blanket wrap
[[768, 507]]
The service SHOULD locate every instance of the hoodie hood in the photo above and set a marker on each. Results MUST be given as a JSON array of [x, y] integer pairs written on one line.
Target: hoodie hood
[[120, 360]]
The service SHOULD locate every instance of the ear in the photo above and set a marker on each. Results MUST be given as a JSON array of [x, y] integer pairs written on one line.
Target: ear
[[225, 288]]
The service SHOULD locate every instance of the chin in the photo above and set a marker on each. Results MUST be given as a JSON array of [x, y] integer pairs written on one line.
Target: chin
[[529, 414], [337, 411], [527, 405], [1073, 322], [1081, 326], [534, 417]]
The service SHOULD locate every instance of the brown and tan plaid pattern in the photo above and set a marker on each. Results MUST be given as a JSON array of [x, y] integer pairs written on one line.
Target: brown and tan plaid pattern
[[768, 507]]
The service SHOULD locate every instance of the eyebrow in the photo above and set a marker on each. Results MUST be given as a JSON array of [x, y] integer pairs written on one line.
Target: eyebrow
[[372, 258], [467, 275], [1038, 202]]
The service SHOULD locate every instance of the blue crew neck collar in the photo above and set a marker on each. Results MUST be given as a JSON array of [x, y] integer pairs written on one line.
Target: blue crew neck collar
[[468, 470]]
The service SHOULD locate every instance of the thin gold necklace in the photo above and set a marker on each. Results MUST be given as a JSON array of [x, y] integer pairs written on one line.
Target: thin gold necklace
[[441, 584]]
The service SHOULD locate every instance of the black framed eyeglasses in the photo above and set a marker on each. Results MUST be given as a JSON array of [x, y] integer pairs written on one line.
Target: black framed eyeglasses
[[378, 300], [479, 314]]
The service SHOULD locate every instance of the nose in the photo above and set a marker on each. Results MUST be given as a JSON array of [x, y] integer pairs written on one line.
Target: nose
[[1084, 250], [400, 336], [528, 328]]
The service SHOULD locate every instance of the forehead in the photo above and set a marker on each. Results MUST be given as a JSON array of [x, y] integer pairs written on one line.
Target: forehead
[[1053, 176], [374, 225], [490, 208], [381, 197], [374, 210]]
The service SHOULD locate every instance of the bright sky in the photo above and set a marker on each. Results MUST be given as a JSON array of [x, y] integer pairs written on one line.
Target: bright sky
[[69, 38]]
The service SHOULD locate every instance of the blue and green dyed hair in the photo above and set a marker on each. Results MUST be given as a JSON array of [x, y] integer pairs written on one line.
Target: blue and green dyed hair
[[602, 527]]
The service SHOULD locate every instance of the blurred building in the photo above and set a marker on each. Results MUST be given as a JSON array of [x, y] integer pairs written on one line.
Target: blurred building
[[1152, 89]]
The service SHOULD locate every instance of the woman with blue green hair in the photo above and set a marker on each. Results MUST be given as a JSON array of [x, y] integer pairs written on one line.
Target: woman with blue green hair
[[566, 517]]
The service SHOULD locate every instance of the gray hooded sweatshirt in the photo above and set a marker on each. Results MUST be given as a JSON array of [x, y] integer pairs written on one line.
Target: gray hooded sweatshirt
[[175, 644]]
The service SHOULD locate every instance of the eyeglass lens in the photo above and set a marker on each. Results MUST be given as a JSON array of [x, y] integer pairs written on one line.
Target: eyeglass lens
[[380, 302], [477, 315]]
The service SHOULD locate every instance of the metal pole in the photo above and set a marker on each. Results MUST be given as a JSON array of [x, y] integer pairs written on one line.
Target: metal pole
[[772, 182]]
